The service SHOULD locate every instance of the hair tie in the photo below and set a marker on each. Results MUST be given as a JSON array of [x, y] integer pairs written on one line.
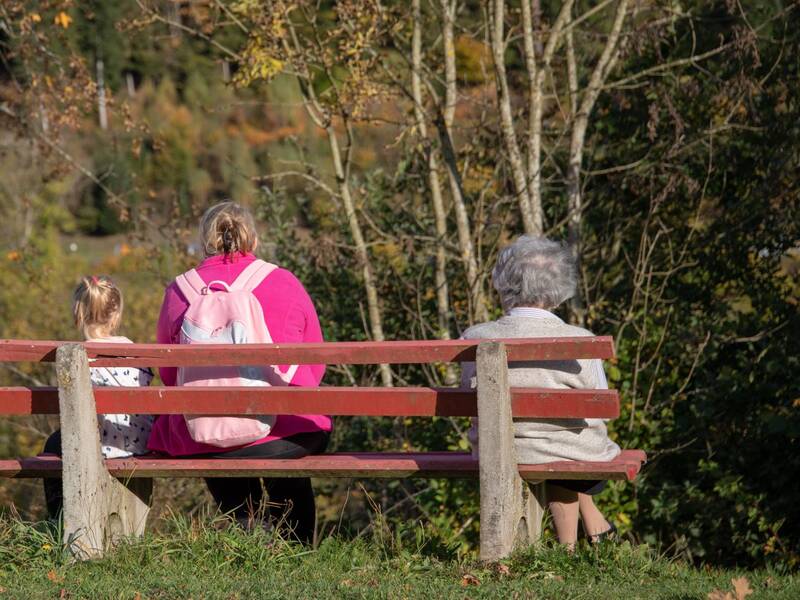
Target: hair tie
[[95, 280], [227, 241]]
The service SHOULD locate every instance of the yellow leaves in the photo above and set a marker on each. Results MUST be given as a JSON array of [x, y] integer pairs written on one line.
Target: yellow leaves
[[272, 67], [741, 589], [473, 59], [624, 519], [259, 64], [393, 254], [245, 7], [478, 178], [63, 19], [36, 17], [741, 305], [13, 256]]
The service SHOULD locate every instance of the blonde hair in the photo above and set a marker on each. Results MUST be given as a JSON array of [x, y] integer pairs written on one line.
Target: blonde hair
[[97, 306], [227, 228]]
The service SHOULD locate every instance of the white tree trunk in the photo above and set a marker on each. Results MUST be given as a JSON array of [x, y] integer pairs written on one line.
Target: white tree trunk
[[534, 174], [479, 309], [373, 305], [102, 112], [518, 174], [536, 76], [324, 121], [434, 184], [605, 64], [130, 84]]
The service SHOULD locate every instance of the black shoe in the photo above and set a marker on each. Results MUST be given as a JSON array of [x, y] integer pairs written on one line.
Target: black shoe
[[609, 535]]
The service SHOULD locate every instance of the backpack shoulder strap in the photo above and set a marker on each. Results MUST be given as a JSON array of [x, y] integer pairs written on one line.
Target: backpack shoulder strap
[[252, 276], [191, 285]]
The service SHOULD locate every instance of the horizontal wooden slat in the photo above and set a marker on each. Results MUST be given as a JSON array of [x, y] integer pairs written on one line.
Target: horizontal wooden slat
[[329, 353], [422, 402], [367, 465]]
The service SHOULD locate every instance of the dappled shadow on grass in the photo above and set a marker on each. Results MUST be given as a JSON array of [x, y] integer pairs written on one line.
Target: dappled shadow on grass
[[216, 558]]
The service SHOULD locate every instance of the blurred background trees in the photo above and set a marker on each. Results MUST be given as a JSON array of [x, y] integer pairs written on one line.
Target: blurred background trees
[[389, 149]]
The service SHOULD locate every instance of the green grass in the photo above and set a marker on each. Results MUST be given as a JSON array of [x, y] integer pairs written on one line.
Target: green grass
[[209, 559]]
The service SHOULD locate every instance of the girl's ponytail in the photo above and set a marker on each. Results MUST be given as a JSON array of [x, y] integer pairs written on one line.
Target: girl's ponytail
[[97, 306]]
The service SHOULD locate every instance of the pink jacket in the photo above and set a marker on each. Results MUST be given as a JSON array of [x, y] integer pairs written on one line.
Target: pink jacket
[[290, 317]]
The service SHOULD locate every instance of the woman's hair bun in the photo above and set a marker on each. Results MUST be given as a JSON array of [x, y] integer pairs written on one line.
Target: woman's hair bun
[[228, 228]]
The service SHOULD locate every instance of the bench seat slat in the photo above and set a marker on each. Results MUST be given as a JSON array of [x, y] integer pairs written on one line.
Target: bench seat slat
[[329, 353], [372, 465], [526, 402]]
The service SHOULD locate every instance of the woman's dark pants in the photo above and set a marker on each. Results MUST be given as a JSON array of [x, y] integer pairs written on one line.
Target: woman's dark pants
[[291, 499]]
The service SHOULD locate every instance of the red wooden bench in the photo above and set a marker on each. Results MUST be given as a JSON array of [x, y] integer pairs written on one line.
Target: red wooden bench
[[106, 499]]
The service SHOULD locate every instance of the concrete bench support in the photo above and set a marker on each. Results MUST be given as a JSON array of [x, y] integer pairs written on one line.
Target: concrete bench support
[[511, 512], [98, 509]]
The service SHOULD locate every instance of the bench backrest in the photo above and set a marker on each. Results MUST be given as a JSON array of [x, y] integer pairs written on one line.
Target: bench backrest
[[362, 401]]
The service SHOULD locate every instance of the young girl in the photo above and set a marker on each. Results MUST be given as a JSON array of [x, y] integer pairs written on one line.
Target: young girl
[[97, 309]]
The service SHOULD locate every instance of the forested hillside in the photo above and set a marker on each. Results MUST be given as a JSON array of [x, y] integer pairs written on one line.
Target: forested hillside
[[389, 150]]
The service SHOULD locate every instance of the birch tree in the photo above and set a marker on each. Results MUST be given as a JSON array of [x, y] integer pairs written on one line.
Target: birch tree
[[445, 126], [513, 152], [580, 120], [527, 175], [434, 183], [314, 51]]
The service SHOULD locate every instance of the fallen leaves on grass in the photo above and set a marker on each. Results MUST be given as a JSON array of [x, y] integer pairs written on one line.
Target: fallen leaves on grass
[[469, 579], [54, 577], [501, 569], [741, 590]]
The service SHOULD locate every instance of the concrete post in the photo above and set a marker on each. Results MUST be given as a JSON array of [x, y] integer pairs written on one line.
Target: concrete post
[[98, 509], [511, 513]]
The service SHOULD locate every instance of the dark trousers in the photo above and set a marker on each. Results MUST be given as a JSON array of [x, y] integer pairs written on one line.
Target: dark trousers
[[291, 499], [53, 491]]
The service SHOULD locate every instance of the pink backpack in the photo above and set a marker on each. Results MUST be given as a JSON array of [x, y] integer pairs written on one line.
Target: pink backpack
[[219, 313]]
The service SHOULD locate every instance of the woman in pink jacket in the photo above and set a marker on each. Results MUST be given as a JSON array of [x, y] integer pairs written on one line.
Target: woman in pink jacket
[[229, 240]]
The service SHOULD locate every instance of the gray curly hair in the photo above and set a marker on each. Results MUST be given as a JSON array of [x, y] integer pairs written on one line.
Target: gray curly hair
[[534, 271]]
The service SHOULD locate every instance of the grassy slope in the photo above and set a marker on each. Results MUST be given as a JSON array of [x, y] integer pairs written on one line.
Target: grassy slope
[[202, 561]]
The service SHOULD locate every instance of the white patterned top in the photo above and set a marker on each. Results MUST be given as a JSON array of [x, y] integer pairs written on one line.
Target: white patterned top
[[122, 435]]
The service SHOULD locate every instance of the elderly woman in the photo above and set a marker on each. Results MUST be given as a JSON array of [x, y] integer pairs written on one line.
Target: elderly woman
[[533, 276]]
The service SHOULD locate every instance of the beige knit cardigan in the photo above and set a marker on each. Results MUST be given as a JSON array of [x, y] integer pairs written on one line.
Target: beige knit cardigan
[[547, 440]]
